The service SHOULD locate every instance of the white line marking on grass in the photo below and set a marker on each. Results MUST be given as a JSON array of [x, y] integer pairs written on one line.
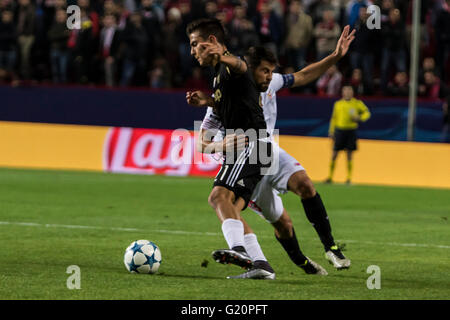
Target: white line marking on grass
[[215, 234]]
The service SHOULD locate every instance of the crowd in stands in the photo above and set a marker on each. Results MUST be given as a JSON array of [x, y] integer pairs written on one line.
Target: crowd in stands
[[143, 43]]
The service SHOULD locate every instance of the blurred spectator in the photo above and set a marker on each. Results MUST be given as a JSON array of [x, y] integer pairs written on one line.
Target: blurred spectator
[[394, 46], [428, 64], [442, 30], [362, 51], [196, 81], [50, 9], [399, 86], [317, 9], [299, 30], [386, 6], [277, 6], [8, 39], [109, 7], [81, 47], [285, 27], [356, 81], [151, 20], [222, 17], [432, 86], [242, 32], [59, 54], [85, 5], [186, 62], [329, 84], [353, 10], [25, 30], [170, 37], [269, 27], [135, 40], [327, 33], [151, 9], [7, 5], [109, 48], [211, 9], [130, 5], [117, 9], [226, 9], [160, 74]]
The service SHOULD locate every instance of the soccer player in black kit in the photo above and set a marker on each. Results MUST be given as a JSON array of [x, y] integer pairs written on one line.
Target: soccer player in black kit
[[236, 102]]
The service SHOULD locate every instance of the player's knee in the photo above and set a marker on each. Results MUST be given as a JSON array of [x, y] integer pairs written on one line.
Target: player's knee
[[283, 227], [307, 189], [302, 186], [216, 196]]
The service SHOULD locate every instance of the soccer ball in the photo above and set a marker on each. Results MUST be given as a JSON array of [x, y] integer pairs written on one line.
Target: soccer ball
[[142, 256]]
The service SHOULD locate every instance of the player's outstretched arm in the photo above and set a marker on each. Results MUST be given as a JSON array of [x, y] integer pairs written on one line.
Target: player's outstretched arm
[[199, 99], [315, 70]]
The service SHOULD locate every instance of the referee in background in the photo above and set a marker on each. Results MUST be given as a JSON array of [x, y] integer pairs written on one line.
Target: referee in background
[[348, 112]]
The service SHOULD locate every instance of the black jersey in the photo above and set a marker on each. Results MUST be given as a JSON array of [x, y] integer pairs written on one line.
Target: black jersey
[[236, 99]]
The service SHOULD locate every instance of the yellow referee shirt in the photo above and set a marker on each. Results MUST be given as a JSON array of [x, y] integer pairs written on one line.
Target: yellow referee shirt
[[343, 112]]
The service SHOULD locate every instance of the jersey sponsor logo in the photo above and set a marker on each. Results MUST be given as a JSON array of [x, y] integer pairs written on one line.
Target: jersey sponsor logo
[[151, 151]]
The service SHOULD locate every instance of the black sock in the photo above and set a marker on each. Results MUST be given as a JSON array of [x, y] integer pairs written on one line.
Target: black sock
[[292, 248], [317, 215], [261, 264], [239, 249]]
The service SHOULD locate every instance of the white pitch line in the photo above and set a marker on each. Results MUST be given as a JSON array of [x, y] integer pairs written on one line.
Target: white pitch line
[[215, 234]]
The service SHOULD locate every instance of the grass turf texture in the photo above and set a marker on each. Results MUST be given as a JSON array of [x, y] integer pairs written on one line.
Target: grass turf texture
[[398, 229]]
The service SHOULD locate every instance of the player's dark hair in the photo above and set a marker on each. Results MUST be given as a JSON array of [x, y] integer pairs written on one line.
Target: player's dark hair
[[255, 55], [207, 27]]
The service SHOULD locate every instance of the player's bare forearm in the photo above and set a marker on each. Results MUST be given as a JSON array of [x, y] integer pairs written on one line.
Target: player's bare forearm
[[206, 145], [314, 71], [234, 63]]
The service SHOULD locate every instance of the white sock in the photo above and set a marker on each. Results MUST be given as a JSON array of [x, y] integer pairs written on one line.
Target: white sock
[[233, 231], [253, 248]]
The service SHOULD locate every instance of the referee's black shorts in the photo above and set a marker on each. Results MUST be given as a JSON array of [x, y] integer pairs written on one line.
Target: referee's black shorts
[[345, 140], [243, 174]]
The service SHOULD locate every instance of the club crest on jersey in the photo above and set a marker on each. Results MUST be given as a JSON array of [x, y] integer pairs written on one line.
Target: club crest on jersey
[[217, 95]]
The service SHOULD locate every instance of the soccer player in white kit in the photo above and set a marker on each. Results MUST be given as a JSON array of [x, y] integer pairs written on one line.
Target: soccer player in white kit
[[290, 175]]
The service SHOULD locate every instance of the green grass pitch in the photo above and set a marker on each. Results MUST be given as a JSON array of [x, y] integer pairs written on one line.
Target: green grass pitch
[[50, 220]]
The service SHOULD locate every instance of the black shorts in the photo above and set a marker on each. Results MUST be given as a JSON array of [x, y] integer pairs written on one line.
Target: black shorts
[[245, 171], [345, 139]]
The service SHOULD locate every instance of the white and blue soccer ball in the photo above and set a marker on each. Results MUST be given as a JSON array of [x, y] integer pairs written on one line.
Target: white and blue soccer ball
[[142, 256]]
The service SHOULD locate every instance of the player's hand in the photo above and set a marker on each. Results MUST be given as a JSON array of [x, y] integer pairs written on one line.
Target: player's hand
[[210, 50], [355, 118], [344, 41], [198, 99], [331, 135], [233, 142]]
